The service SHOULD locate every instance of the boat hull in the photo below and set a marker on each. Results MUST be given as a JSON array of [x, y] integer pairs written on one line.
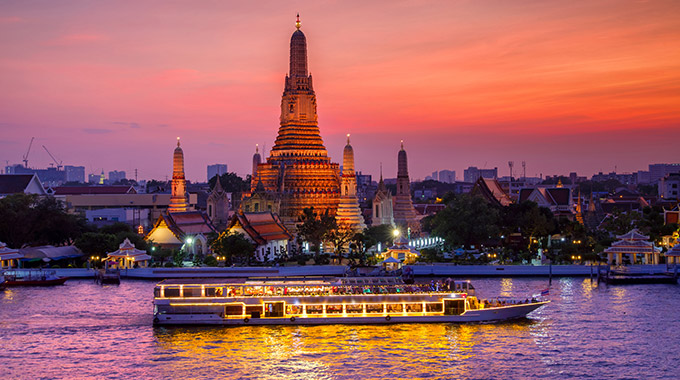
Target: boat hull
[[489, 315], [50, 282]]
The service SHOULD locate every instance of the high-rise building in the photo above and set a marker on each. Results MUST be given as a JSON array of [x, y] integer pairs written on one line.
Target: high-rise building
[[447, 176], [298, 171], [116, 176], [472, 174], [349, 213], [75, 173], [216, 169], [658, 171], [178, 200]]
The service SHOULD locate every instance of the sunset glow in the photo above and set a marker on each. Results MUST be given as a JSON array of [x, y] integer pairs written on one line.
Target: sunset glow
[[582, 86]]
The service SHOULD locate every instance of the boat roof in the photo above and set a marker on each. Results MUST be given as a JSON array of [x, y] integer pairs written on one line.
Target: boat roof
[[321, 281]]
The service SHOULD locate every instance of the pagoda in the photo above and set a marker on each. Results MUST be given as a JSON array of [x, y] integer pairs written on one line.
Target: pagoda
[[632, 244], [404, 213], [349, 213], [298, 170], [178, 200]]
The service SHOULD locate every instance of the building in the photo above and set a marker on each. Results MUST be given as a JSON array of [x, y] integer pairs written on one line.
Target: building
[[116, 176], [491, 190], [75, 173], [257, 160], [20, 183], [349, 213], [9, 258], [187, 231], [405, 216], [658, 171], [218, 205], [216, 169], [472, 174], [669, 186], [558, 199], [178, 200], [383, 212], [266, 231], [634, 244], [447, 176], [299, 172]]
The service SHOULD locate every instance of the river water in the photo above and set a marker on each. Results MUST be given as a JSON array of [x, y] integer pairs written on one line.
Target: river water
[[83, 330]]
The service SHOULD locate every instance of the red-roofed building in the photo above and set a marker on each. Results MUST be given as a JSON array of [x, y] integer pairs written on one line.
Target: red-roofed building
[[491, 190], [187, 230], [558, 199], [265, 230]]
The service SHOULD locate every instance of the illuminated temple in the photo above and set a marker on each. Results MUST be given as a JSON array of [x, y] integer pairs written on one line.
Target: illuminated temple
[[298, 171], [349, 213]]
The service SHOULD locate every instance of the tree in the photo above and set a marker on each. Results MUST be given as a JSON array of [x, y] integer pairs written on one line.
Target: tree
[[96, 243], [161, 254], [618, 223], [467, 220], [235, 247], [316, 229], [26, 219]]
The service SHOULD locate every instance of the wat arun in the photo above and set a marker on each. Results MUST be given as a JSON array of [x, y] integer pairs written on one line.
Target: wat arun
[[298, 172]]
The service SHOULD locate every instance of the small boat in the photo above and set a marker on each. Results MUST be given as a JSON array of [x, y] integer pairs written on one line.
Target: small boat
[[626, 276], [32, 278], [107, 276], [347, 300]]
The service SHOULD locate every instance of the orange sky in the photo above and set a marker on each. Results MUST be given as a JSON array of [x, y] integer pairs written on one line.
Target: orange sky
[[582, 86]]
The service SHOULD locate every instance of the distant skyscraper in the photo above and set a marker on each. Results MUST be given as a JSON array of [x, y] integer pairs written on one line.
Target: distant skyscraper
[[93, 178], [473, 173], [216, 169], [178, 200], [447, 176], [658, 171], [116, 176], [75, 173]]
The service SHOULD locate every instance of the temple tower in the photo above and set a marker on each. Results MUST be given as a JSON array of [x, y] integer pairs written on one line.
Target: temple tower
[[256, 161], [404, 213], [218, 205], [349, 213], [178, 200], [298, 170], [382, 204]]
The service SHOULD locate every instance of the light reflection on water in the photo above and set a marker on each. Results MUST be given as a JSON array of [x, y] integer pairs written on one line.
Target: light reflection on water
[[85, 330]]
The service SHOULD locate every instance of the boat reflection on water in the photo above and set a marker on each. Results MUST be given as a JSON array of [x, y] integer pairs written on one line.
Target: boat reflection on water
[[416, 350]]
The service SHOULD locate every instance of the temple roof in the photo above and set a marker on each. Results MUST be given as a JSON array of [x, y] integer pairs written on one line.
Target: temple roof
[[633, 234], [94, 190], [261, 227], [19, 183]]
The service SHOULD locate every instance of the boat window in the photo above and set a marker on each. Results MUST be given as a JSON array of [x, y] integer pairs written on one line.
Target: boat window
[[314, 309], [157, 292], [334, 309], [354, 309], [172, 292], [233, 310], [213, 292], [374, 308], [434, 307], [254, 311], [294, 309], [395, 308], [192, 291], [414, 307], [454, 307]]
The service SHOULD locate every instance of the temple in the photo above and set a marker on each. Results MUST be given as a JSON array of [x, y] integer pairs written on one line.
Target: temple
[[382, 204], [298, 172], [405, 215], [178, 200], [349, 213]]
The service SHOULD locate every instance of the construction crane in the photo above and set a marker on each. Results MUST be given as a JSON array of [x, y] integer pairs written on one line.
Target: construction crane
[[54, 159], [27, 152]]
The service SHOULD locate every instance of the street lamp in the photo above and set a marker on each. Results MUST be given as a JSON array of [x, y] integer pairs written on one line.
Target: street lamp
[[395, 233]]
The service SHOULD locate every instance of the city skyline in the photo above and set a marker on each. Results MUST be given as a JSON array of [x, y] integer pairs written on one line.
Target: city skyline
[[585, 87]]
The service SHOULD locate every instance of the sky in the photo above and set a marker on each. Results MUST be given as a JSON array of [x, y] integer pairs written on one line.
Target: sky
[[579, 85]]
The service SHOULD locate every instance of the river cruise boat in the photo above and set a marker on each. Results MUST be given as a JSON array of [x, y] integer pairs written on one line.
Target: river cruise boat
[[336, 301], [27, 277]]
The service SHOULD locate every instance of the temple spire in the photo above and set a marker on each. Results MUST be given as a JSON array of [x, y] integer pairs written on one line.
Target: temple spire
[[178, 141], [348, 139], [297, 22]]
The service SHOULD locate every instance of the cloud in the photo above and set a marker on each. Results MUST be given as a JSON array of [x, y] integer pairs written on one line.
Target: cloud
[[11, 20], [128, 124], [97, 131]]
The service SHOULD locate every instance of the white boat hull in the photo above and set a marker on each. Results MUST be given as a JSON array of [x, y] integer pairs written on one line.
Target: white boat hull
[[489, 315]]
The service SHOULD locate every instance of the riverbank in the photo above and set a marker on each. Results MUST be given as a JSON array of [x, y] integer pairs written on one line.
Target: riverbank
[[434, 270]]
